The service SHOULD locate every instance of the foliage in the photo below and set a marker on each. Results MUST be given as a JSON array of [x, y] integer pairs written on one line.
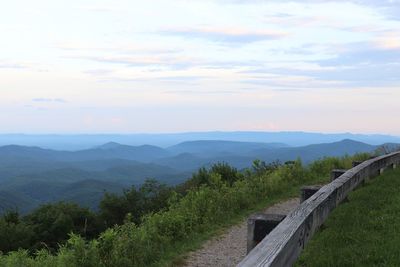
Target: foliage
[[152, 196], [52, 223], [204, 176], [149, 222], [46, 227], [14, 234], [260, 167]]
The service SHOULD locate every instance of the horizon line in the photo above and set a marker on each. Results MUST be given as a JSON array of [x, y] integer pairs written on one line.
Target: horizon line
[[195, 132]]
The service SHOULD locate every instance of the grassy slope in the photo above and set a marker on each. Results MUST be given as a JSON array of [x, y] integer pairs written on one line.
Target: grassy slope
[[362, 232]]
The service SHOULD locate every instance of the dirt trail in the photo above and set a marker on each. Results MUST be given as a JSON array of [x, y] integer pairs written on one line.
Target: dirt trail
[[229, 248]]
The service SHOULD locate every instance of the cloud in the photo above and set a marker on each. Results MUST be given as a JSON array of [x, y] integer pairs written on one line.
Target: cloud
[[389, 8], [165, 62], [123, 48], [388, 41], [202, 92], [281, 81], [358, 64], [186, 79], [361, 75], [301, 21], [98, 72], [11, 65], [143, 61], [226, 35], [366, 53], [49, 100], [99, 8]]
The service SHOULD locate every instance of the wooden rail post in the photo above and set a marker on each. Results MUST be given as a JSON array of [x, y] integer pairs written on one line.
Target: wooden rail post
[[336, 173], [307, 191], [259, 225], [356, 163]]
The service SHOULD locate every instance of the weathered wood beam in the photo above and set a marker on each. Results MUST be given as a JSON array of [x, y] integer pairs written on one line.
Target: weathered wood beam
[[284, 244]]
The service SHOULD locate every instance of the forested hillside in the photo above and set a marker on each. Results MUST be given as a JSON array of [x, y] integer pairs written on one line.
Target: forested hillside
[[30, 176]]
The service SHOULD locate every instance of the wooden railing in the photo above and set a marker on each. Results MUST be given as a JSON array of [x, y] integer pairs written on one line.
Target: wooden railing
[[283, 245]]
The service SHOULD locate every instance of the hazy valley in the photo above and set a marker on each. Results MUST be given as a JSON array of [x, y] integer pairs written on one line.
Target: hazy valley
[[30, 176]]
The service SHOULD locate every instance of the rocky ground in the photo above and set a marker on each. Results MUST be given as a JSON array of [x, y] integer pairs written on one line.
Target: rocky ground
[[229, 248]]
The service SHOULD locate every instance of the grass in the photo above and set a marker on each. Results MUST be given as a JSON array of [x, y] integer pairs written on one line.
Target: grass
[[362, 232]]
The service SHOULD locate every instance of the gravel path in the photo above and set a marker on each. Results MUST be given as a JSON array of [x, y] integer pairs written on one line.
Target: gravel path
[[229, 248]]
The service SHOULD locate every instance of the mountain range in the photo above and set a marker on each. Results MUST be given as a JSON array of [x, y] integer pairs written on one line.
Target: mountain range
[[30, 176], [85, 141]]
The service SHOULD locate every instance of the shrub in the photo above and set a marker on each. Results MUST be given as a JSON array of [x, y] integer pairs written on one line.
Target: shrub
[[220, 194]]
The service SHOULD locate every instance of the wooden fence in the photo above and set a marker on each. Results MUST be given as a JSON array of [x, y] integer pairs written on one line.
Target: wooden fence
[[283, 245]]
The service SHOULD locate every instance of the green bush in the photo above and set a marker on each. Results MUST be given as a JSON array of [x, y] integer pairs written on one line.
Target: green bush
[[209, 204]]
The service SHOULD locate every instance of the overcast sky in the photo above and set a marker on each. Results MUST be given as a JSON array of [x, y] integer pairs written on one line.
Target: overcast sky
[[170, 66]]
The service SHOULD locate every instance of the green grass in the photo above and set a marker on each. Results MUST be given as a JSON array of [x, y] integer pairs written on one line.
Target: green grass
[[362, 232]]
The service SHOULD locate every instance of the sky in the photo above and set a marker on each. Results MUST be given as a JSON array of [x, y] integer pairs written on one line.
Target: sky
[[124, 66]]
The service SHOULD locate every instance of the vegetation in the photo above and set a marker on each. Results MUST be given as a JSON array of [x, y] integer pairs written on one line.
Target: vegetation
[[152, 196], [154, 223], [31, 176], [51, 224], [362, 232]]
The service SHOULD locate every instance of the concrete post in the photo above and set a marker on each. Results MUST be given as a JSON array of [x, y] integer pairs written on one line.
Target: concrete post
[[259, 225], [307, 191], [336, 173]]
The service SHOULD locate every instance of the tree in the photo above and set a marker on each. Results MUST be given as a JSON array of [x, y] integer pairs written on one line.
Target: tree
[[228, 175], [14, 233], [261, 167], [152, 196], [52, 224], [113, 208]]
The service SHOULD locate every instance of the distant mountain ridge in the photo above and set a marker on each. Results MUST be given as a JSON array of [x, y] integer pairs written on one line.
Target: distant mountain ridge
[[312, 152], [209, 146], [86, 141]]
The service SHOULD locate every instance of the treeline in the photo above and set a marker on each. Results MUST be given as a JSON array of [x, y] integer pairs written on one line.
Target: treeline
[[146, 225], [50, 225]]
